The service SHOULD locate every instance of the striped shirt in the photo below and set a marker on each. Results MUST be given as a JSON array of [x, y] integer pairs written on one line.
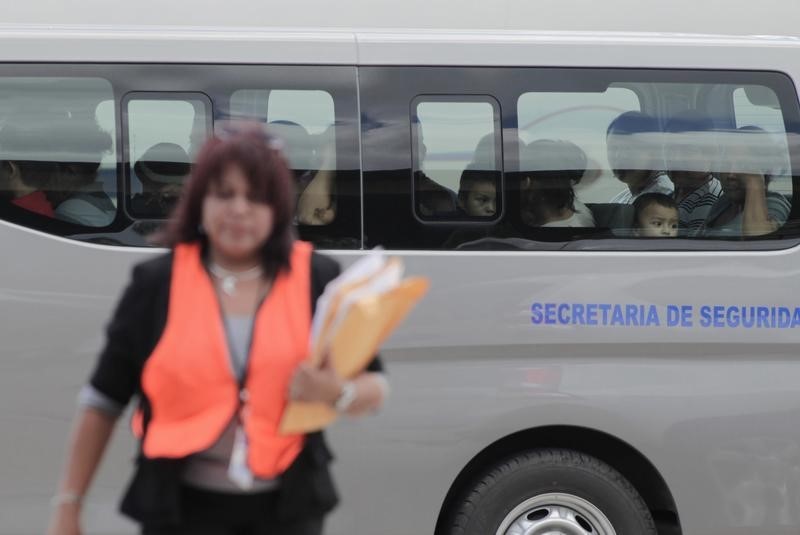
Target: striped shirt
[[693, 209], [778, 209]]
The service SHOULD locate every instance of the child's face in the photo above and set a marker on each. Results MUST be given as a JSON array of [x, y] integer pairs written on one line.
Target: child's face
[[481, 200], [657, 221]]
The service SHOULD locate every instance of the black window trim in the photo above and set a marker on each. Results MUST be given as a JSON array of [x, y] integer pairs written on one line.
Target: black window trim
[[127, 171], [497, 116]]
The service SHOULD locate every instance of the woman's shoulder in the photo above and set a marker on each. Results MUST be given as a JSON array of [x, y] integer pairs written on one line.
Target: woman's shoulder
[[153, 270]]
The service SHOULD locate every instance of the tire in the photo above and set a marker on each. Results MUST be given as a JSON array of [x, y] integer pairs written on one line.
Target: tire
[[562, 490]]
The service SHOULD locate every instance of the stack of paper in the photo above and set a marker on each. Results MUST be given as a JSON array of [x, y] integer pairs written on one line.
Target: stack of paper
[[355, 314]]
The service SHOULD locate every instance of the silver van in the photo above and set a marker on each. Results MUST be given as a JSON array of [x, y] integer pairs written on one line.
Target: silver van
[[609, 222]]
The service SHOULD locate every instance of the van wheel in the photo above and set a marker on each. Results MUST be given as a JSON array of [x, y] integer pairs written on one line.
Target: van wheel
[[552, 491]]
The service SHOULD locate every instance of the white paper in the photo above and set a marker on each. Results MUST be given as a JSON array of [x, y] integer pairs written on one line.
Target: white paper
[[238, 471], [362, 268], [386, 280]]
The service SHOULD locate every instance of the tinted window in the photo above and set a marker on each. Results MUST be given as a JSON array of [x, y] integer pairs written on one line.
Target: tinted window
[[457, 159], [63, 127], [164, 135], [581, 118], [759, 106], [638, 159], [58, 152], [305, 121], [313, 110]]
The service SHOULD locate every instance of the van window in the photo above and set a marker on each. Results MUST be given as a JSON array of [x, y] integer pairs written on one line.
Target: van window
[[648, 173], [164, 136], [305, 120], [98, 152], [766, 114], [58, 152], [457, 158], [592, 158], [581, 118], [312, 109]]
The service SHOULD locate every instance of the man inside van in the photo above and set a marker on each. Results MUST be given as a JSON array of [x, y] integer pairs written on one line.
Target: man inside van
[[746, 206], [691, 152], [161, 170], [635, 156], [82, 199]]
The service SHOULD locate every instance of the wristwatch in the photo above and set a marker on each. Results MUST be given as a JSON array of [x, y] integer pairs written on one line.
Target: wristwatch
[[346, 397]]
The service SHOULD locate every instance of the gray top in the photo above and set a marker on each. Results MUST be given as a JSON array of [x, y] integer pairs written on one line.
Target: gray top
[[239, 329], [91, 208]]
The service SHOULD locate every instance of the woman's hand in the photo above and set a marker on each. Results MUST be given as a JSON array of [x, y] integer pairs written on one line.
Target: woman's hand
[[323, 385], [315, 385], [90, 436], [65, 520]]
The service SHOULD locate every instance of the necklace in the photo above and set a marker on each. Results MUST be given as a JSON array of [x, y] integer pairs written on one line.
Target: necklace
[[229, 278]]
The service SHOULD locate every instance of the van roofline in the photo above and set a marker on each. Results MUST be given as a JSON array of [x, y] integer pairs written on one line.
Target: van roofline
[[254, 32], [374, 46]]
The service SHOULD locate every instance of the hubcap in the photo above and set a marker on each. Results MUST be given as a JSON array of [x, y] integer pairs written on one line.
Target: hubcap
[[556, 514]]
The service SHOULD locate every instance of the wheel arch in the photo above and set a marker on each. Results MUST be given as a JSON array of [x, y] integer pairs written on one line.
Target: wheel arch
[[620, 455]]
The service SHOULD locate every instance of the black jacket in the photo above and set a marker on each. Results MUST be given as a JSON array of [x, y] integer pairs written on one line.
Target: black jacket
[[153, 497]]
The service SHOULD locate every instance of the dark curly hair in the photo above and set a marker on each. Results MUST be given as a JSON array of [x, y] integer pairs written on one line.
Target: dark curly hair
[[258, 155]]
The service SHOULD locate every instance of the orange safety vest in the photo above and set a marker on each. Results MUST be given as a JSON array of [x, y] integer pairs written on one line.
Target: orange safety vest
[[188, 379]]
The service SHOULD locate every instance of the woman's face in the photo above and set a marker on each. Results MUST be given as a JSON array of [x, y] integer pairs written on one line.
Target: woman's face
[[237, 225]]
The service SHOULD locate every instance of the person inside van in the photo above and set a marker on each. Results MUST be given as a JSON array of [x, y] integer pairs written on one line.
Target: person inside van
[[316, 201], [477, 193], [84, 201], [635, 156], [552, 169], [161, 171], [655, 216], [314, 170], [691, 153], [477, 198], [26, 172], [746, 207]]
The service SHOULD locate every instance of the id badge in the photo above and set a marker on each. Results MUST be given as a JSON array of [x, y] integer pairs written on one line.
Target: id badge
[[238, 471]]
